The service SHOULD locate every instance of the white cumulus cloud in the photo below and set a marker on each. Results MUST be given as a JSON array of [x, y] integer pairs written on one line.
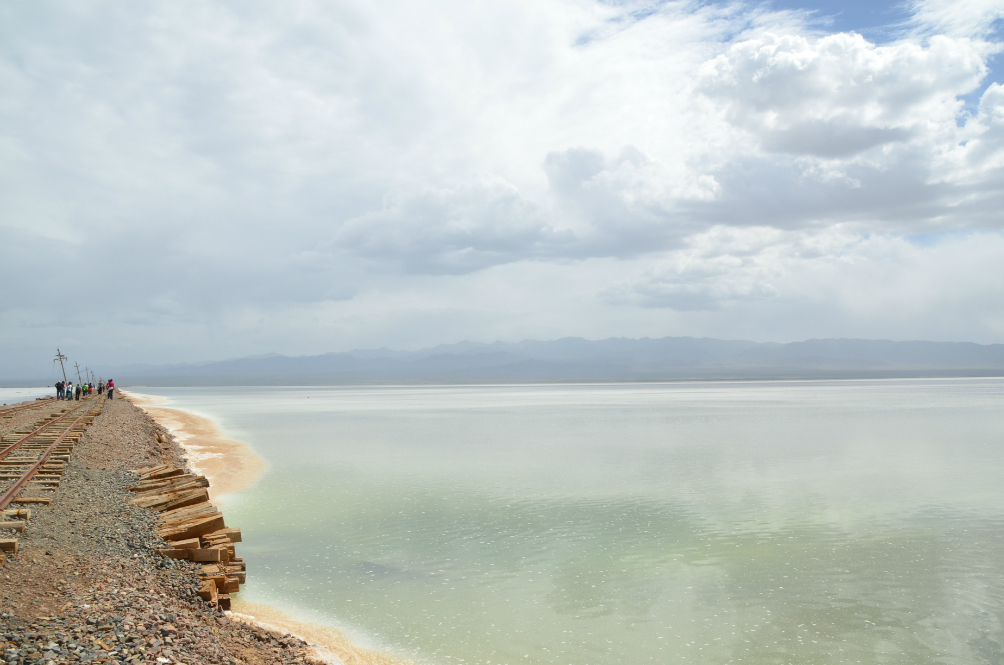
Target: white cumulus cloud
[[592, 168]]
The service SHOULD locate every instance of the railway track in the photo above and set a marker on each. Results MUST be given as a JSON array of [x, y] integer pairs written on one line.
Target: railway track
[[9, 411], [11, 440], [32, 462]]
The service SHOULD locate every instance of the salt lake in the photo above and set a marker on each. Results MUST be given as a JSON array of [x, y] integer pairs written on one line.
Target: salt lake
[[753, 522]]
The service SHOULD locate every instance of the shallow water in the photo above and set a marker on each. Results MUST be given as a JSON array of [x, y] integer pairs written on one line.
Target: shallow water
[[14, 395], [783, 522]]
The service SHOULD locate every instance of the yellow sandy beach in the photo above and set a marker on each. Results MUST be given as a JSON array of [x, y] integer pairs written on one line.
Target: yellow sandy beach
[[232, 466]]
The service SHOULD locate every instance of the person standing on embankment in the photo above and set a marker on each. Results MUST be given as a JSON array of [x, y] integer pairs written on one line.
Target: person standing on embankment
[[110, 387]]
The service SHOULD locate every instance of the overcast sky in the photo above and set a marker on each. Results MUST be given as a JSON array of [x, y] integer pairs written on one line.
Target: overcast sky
[[185, 181]]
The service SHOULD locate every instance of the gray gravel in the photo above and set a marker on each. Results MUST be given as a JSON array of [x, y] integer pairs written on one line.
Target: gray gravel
[[28, 416], [87, 586]]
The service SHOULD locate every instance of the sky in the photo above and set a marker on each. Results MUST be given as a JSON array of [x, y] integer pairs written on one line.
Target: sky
[[192, 181]]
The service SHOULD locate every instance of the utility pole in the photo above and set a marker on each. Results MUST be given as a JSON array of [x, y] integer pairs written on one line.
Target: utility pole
[[60, 357], [77, 365]]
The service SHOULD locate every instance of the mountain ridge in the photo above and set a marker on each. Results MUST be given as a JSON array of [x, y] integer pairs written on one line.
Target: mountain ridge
[[575, 359]]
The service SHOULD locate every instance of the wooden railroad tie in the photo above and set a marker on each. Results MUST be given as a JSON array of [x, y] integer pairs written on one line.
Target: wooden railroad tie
[[193, 528], [35, 459]]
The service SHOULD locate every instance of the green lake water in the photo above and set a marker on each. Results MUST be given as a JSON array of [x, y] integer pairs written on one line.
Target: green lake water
[[779, 522]]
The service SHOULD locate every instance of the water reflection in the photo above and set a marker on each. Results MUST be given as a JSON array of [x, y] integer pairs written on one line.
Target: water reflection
[[755, 523]]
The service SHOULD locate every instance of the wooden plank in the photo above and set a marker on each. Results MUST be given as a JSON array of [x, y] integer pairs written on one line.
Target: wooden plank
[[206, 510], [207, 591], [172, 553], [167, 472], [224, 552], [172, 500], [163, 471], [232, 534], [188, 499], [12, 526], [188, 512], [170, 525], [170, 518], [192, 529], [8, 545], [24, 513], [188, 544], [44, 500], [205, 554], [218, 579], [176, 525], [173, 488], [170, 484]]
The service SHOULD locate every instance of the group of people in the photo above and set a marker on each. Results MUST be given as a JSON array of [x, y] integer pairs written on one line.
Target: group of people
[[68, 391]]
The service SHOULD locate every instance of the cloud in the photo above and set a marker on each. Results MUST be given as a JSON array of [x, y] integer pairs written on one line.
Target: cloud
[[837, 274], [718, 267], [975, 18], [842, 130], [236, 169], [983, 149], [458, 229], [596, 206], [840, 95]]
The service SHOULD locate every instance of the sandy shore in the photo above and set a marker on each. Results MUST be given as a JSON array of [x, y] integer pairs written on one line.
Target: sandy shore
[[232, 466], [329, 643]]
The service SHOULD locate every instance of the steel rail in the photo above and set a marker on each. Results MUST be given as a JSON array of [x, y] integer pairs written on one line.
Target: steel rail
[[16, 488], [30, 405], [28, 437]]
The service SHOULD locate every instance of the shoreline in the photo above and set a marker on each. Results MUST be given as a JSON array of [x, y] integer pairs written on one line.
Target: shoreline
[[232, 466], [329, 644]]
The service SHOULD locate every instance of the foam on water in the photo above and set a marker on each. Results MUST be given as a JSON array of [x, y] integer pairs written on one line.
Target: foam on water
[[763, 522]]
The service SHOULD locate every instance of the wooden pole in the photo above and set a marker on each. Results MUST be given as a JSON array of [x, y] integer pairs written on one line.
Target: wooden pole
[[60, 357]]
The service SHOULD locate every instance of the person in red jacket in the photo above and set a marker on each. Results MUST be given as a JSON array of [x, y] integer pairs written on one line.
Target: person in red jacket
[[110, 387]]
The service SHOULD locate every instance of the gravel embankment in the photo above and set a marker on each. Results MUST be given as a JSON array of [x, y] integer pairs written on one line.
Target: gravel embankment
[[87, 586]]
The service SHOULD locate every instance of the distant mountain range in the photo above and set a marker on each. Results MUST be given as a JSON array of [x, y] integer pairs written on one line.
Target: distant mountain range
[[575, 359]]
